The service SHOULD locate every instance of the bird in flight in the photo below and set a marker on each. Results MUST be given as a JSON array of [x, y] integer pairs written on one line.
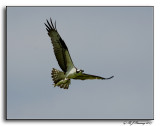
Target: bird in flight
[[63, 78]]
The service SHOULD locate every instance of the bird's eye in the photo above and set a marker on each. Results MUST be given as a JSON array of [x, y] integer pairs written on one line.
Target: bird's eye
[[78, 71]]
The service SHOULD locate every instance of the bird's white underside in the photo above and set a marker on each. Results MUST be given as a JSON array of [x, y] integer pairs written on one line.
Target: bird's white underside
[[71, 73]]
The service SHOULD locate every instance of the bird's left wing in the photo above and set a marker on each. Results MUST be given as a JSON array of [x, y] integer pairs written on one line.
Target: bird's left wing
[[84, 76], [60, 48]]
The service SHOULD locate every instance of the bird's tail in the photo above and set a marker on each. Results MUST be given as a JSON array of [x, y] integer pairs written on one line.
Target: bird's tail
[[59, 79], [57, 75]]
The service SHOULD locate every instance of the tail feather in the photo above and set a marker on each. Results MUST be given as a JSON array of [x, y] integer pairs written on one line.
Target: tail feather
[[57, 75], [59, 79]]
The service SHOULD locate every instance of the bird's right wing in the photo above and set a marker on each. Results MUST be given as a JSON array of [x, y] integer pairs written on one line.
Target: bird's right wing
[[60, 48], [84, 76]]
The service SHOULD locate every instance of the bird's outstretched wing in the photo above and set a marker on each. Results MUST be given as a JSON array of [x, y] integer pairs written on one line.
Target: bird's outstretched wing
[[60, 48], [84, 76]]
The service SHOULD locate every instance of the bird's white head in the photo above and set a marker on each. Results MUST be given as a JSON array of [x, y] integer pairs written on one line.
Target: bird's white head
[[79, 71]]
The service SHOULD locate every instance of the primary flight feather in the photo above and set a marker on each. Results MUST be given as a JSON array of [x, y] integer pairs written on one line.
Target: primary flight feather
[[69, 71]]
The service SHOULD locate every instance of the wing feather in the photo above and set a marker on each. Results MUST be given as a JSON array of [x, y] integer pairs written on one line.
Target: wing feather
[[84, 76], [60, 48]]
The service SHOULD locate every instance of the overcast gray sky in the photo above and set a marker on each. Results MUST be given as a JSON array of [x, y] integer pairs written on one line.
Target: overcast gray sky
[[103, 41]]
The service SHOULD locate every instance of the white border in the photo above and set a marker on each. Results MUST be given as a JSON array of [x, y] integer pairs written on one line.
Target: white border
[[154, 3]]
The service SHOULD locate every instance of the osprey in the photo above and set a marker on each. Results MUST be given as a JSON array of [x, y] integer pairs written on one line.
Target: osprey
[[63, 78]]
